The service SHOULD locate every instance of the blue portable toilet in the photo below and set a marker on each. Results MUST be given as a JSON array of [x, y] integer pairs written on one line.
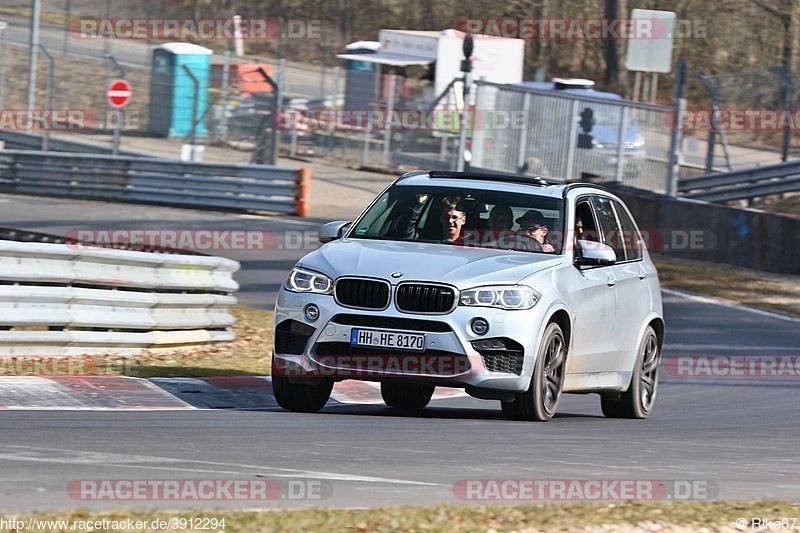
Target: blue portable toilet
[[359, 84], [172, 89]]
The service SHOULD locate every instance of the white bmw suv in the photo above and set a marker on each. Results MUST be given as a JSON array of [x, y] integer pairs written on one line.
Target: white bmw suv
[[508, 287]]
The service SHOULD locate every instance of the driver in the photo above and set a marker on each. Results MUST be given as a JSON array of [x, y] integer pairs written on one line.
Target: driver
[[532, 226]]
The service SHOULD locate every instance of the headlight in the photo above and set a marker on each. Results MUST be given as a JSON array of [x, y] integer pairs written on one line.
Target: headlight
[[508, 297], [301, 280]]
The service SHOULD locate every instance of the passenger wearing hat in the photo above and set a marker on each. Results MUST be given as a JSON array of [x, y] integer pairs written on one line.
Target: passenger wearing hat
[[532, 226]]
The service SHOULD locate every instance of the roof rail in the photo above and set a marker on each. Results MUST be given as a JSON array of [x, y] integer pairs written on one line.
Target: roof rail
[[528, 180]]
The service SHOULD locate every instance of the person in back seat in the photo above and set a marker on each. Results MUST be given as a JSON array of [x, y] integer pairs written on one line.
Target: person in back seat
[[501, 218], [499, 234]]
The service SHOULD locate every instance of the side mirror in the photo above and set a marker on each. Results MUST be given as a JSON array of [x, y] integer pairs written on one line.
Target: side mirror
[[592, 253], [333, 230]]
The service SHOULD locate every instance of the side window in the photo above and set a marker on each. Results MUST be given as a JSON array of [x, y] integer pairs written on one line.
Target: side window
[[609, 227], [585, 228], [630, 236]]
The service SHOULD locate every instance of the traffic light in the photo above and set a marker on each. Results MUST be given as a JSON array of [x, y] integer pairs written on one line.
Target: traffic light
[[587, 121], [467, 47]]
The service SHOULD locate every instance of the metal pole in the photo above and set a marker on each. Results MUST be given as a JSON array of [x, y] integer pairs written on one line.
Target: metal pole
[[788, 100], [324, 63], [223, 130], [387, 132], [365, 152], [522, 150], [277, 107], [623, 127], [677, 130], [113, 63], [3, 26], [34, 53], [293, 143], [573, 139], [281, 73], [466, 154], [654, 88], [713, 132], [117, 133], [196, 95], [477, 149], [787, 131], [637, 85], [463, 164], [48, 95], [107, 105], [107, 42], [335, 107], [67, 13], [281, 39]]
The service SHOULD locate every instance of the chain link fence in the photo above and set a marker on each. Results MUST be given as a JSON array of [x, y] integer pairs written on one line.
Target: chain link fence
[[740, 133], [537, 132]]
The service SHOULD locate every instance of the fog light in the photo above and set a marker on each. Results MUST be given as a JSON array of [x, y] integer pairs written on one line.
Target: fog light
[[479, 326], [311, 312]]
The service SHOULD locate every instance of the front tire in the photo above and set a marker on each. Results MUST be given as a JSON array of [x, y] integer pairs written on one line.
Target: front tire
[[639, 399], [407, 397], [540, 402], [300, 397]]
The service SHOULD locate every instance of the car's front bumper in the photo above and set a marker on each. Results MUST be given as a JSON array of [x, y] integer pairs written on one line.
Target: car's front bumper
[[322, 348]]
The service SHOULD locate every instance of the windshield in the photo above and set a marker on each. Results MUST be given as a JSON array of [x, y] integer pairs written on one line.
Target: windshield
[[464, 217]]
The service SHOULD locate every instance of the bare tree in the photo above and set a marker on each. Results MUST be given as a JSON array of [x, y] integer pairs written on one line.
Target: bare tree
[[788, 13]]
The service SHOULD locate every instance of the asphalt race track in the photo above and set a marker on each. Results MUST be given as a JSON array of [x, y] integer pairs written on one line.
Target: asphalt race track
[[737, 438]]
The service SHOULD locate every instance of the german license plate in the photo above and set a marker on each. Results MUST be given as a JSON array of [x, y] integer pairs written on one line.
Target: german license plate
[[381, 338]]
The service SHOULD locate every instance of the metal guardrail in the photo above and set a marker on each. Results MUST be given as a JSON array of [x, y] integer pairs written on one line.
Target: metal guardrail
[[156, 181], [74, 299], [743, 184], [19, 140]]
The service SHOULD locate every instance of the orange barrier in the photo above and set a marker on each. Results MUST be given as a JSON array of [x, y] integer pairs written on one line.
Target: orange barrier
[[303, 198]]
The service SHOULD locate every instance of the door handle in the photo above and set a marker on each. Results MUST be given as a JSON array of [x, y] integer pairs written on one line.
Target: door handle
[[611, 282], [642, 275]]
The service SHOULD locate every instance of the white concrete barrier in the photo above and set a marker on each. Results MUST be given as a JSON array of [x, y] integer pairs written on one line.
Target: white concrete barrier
[[71, 299]]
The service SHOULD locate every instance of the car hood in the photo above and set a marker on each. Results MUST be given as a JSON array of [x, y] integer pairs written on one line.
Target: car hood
[[459, 266]]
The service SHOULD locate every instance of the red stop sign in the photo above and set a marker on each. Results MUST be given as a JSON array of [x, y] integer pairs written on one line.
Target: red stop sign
[[119, 93]]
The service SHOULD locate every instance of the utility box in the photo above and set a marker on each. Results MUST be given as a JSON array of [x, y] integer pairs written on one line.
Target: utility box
[[174, 102]]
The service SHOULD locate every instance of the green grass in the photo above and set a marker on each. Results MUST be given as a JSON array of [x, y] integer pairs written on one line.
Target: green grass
[[250, 354], [745, 286], [789, 205]]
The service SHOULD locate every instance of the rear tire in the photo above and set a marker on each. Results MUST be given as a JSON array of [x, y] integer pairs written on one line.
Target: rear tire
[[300, 397], [639, 399], [407, 397], [540, 402]]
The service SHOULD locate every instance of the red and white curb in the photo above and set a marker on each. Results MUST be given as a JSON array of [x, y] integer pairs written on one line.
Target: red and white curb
[[85, 393], [110, 393]]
